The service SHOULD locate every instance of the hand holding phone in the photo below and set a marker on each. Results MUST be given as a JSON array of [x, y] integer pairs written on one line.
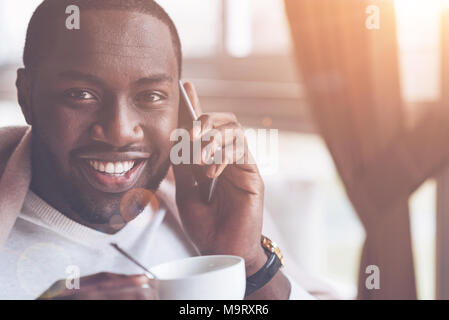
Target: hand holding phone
[[232, 222], [206, 185]]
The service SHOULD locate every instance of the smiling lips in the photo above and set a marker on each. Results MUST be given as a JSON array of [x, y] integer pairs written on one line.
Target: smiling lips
[[118, 168], [112, 176], [113, 172]]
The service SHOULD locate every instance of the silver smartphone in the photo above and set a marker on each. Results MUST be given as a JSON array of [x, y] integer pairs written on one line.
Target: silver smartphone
[[207, 185]]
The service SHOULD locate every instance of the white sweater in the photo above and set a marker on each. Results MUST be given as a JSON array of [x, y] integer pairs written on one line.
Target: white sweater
[[45, 246]]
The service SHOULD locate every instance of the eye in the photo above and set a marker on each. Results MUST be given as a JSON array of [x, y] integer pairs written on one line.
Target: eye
[[150, 97], [80, 95]]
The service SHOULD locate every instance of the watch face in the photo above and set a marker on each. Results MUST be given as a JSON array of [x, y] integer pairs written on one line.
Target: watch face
[[278, 252], [272, 247]]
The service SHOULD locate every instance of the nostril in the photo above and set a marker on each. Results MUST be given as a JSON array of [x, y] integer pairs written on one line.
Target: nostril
[[116, 135], [138, 131], [97, 132]]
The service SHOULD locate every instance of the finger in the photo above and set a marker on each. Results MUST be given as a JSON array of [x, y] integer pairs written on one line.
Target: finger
[[249, 164], [138, 280], [136, 294], [90, 286], [233, 177], [209, 121], [97, 277], [221, 138], [59, 289], [109, 281], [232, 153], [122, 293], [211, 148], [215, 170]]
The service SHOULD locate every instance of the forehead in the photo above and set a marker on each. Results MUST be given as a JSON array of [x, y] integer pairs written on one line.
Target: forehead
[[114, 42]]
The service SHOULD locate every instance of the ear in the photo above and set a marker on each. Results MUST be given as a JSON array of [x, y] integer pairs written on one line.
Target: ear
[[23, 84]]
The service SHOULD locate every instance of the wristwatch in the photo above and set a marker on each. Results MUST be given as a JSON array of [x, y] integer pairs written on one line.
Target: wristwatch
[[266, 273]]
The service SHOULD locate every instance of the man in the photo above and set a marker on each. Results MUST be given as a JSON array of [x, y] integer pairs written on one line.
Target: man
[[102, 102]]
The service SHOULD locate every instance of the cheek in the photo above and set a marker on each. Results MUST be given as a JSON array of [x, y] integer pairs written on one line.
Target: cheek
[[62, 130], [158, 130]]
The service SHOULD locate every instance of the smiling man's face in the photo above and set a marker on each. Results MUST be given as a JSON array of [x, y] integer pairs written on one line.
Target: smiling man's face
[[103, 105]]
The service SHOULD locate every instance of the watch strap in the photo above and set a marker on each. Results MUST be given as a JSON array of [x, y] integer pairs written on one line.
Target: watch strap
[[264, 275]]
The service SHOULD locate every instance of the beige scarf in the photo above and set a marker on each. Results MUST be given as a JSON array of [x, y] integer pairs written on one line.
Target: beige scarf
[[15, 175]]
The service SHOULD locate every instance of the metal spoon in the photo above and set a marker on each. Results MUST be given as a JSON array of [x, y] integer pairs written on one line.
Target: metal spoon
[[147, 272]]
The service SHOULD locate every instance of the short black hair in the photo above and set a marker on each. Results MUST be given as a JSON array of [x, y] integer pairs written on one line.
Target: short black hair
[[43, 20]]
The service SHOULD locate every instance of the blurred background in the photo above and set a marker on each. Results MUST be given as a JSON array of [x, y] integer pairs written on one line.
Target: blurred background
[[241, 55]]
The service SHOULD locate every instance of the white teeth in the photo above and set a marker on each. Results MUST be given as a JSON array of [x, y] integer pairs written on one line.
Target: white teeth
[[110, 167], [118, 167], [115, 168]]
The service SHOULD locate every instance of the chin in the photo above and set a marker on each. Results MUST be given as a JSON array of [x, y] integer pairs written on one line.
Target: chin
[[94, 205]]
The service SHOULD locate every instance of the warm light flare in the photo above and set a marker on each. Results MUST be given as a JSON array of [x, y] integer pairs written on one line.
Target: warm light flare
[[419, 7]]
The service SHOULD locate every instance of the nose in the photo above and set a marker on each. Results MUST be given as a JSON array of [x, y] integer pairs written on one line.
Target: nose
[[119, 126]]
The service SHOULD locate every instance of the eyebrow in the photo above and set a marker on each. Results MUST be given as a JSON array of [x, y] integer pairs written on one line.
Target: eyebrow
[[157, 78], [77, 75], [81, 76]]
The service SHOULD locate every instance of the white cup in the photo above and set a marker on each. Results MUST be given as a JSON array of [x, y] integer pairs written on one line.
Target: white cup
[[220, 277]]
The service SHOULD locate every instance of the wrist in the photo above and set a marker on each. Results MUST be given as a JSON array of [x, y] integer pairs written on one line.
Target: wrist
[[256, 263]]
